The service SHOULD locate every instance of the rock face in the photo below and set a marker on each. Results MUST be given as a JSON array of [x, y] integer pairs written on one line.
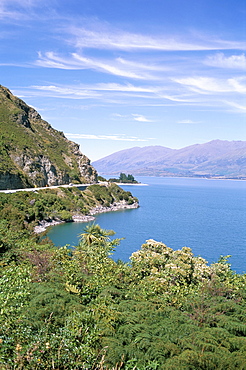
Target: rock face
[[32, 153]]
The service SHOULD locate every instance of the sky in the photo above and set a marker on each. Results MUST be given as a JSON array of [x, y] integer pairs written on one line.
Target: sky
[[116, 74]]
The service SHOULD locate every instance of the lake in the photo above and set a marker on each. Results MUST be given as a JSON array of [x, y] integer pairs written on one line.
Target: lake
[[209, 216]]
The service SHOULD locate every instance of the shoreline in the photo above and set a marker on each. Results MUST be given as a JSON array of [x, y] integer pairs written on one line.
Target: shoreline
[[184, 177], [44, 225], [131, 184]]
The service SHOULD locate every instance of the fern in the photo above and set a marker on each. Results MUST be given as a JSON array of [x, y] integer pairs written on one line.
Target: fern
[[233, 326]]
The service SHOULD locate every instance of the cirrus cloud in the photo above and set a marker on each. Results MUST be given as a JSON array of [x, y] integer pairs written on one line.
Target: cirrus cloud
[[188, 121], [220, 60], [116, 137], [140, 118], [207, 85], [118, 39], [118, 67]]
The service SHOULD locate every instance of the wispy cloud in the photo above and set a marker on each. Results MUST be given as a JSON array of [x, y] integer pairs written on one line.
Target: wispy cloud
[[17, 10], [124, 87], [238, 85], [52, 60], [117, 66], [104, 91], [130, 117], [201, 89], [8, 14], [21, 3], [237, 107], [179, 98], [188, 121], [196, 91], [116, 137], [15, 64], [117, 115], [118, 39], [140, 118], [75, 92], [220, 60], [106, 67], [206, 85], [144, 66]]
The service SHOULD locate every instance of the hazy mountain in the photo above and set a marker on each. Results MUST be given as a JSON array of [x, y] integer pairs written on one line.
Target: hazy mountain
[[32, 153], [216, 158]]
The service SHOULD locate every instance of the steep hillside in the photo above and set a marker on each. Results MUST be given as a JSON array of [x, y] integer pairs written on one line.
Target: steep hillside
[[32, 153], [217, 158]]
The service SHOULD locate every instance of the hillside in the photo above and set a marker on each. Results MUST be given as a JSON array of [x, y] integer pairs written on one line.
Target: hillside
[[217, 158], [32, 153]]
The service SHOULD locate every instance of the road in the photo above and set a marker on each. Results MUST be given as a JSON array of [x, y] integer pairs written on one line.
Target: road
[[9, 191]]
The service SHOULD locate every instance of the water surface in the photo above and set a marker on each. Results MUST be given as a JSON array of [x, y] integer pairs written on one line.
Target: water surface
[[205, 215]]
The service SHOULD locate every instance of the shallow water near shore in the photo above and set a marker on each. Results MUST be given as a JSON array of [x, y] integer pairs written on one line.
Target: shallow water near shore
[[209, 216]]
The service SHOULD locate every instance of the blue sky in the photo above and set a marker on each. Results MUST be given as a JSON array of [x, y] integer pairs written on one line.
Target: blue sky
[[114, 74]]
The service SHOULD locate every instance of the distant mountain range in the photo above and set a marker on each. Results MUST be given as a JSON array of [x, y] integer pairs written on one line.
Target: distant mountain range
[[217, 159]]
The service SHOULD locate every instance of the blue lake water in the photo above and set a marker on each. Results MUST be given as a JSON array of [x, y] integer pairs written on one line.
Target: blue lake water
[[208, 216]]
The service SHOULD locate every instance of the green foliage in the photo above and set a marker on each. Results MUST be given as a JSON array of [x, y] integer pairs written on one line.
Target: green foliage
[[101, 178], [22, 210], [65, 215], [14, 293], [107, 195], [94, 250], [78, 309], [101, 194], [124, 179], [70, 346], [49, 302], [9, 237]]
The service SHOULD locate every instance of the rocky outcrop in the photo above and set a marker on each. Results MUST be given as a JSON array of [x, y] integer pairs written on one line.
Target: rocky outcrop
[[33, 153], [12, 181], [40, 170], [116, 206]]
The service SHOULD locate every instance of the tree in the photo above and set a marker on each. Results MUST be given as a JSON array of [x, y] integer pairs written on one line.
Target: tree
[[123, 177], [130, 178], [127, 179], [94, 250], [95, 236]]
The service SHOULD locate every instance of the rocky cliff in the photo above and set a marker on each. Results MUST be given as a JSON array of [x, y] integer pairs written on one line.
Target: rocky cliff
[[32, 153]]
